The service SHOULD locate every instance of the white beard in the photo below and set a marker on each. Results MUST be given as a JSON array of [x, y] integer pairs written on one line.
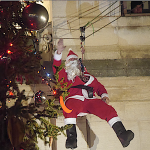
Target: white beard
[[72, 69]]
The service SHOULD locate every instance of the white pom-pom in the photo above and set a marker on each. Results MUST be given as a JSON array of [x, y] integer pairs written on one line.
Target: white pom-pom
[[70, 49]]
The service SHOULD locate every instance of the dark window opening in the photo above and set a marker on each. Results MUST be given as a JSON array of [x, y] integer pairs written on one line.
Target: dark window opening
[[133, 8]]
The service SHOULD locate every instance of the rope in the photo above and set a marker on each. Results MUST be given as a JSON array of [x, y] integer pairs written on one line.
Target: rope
[[106, 24], [94, 18], [100, 14], [85, 14], [103, 26], [104, 15], [90, 23]]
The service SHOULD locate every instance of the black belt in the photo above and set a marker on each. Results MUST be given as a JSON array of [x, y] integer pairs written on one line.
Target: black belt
[[87, 88]]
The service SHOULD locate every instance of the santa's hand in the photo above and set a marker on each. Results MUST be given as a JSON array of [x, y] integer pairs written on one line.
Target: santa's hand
[[60, 46], [106, 100]]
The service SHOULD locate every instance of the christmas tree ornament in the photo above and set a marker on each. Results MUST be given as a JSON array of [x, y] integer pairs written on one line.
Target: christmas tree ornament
[[40, 97], [35, 16]]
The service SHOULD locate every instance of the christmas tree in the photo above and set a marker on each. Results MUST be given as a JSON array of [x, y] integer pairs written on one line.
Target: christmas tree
[[20, 125]]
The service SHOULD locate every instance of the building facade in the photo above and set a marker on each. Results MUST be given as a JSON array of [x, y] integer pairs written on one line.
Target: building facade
[[117, 52]]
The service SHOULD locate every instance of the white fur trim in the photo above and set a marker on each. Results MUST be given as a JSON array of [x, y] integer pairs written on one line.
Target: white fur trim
[[104, 95], [57, 56], [71, 56], [82, 114], [79, 97], [70, 121], [85, 93], [90, 80], [112, 121]]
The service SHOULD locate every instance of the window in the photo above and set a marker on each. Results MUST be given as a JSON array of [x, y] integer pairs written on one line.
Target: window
[[135, 8]]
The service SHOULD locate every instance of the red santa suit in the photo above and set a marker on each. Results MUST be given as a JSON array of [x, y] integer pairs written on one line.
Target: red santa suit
[[78, 100]]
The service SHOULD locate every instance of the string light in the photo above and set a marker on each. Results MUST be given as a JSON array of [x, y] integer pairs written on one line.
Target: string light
[[48, 74], [11, 93], [54, 92], [11, 44], [9, 52], [27, 6], [46, 79]]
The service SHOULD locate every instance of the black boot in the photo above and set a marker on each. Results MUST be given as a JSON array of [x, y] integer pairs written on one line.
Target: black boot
[[71, 141], [125, 136]]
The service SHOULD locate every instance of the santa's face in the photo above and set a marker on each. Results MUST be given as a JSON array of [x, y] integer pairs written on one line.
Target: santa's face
[[73, 68]]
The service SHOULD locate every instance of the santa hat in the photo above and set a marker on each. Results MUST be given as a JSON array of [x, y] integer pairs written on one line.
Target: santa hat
[[71, 54]]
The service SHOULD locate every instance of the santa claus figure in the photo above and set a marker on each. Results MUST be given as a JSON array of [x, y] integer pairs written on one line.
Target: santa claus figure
[[82, 100]]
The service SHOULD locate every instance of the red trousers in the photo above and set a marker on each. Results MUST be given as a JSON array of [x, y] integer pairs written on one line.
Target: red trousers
[[92, 106]]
